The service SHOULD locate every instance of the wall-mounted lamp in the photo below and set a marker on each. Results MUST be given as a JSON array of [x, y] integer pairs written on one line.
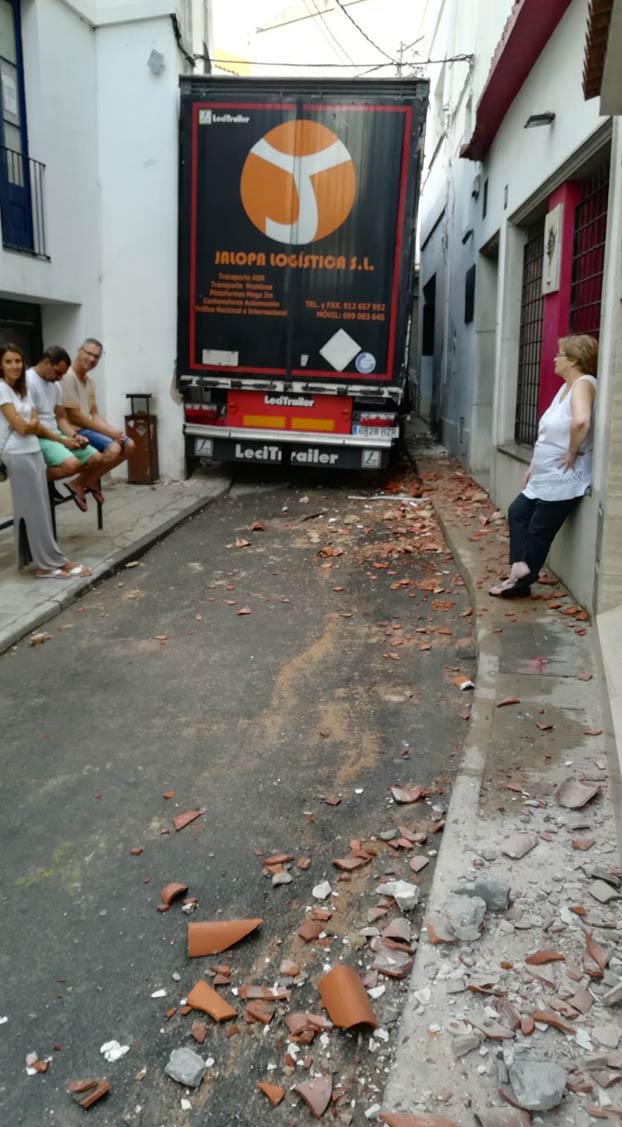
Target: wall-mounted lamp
[[536, 119], [155, 62]]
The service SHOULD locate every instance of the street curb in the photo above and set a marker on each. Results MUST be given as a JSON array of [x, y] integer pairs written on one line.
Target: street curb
[[407, 1074], [102, 570]]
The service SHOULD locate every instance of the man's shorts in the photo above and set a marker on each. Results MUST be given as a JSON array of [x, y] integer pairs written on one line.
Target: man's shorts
[[101, 442], [54, 453]]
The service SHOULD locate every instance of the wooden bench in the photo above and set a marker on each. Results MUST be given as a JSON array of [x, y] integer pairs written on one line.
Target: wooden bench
[[56, 499]]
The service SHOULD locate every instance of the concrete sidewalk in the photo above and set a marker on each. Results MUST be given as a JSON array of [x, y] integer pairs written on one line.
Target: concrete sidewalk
[[135, 516], [472, 1004]]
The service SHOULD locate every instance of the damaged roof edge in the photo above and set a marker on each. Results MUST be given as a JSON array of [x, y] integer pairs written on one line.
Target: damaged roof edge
[[598, 24], [526, 33]]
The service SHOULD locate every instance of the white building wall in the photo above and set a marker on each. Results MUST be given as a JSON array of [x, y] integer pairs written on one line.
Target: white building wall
[[522, 167], [106, 128], [138, 124]]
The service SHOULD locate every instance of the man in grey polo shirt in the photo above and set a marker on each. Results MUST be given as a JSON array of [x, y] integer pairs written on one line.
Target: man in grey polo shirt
[[81, 406]]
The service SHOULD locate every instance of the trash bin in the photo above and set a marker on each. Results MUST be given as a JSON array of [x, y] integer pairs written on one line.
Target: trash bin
[[142, 427]]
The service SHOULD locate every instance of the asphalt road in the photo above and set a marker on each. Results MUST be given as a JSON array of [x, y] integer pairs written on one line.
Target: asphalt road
[[329, 687]]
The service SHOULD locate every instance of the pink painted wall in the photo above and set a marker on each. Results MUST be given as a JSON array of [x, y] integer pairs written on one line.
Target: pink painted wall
[[556, 311]]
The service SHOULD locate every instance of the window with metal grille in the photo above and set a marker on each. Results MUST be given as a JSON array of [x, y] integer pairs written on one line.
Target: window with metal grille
[[526, 425], [588, 253]]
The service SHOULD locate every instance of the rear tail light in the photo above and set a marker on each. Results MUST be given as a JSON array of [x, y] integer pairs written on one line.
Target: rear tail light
[[196, 413]]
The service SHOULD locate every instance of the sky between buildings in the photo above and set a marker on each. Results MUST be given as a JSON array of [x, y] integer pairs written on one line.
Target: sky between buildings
[[316, 33]]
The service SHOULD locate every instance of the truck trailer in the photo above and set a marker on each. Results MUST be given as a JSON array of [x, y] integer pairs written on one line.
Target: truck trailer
[[297, 215]]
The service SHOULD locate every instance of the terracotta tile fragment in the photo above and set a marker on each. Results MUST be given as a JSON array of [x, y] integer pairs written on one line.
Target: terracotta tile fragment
[[549, 1017], [274, 1093], [582, 843], [398, 929], [182, 820], [541, 958], [316, 1093], [438, 932], [573, 794], [199, 1032], [202, 997], [508, 700], [289, 968], [597, 954], [303, 863], [278, 859], [351, 863], [345, 999], [262, 1012], [168, 794], [527, 1026], [184, 1010], [210, 937], [170, 1012], [304, 1026], [232, 1031], [407, 795], [136, 851], [310, 930], [87, 1092], [170, 891], [250, 993], [582, 1000], [414, 1119]]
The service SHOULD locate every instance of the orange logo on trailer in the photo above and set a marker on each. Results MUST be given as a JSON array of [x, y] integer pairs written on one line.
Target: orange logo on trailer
[[298, 183]]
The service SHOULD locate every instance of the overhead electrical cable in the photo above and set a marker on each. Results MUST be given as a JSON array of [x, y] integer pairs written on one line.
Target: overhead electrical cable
[[299, 19], [358, 27], [333, 66], [329, 33]]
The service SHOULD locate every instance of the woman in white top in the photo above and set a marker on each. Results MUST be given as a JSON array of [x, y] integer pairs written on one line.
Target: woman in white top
[[19, 446], [560, 470]]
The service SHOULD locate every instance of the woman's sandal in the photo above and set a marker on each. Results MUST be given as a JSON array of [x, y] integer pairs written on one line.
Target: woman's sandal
[[55, 573], [511, 589], [79, 571]]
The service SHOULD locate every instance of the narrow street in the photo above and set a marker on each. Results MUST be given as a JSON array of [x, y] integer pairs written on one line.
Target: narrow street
[[281, 660]]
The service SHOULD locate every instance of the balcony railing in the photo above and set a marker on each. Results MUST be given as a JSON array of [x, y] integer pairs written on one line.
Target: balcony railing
[[22, 210]]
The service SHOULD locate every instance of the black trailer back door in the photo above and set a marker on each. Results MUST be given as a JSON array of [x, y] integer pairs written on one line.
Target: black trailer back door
[[297, 224]]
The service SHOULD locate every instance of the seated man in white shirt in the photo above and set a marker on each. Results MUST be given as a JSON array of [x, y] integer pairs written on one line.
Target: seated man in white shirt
[[65, 452]]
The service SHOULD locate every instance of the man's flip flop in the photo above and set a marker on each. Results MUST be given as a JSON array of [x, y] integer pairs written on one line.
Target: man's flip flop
[[511, 589], [96, 493], [79, 501]]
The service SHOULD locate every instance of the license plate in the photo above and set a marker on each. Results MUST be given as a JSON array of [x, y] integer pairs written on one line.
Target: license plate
[[376, 432]]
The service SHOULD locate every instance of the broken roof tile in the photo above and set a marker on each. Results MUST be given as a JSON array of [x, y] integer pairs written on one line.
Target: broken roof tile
[[181, 820], [203, 997], [273, 1091], [209, 937], [87, 1092], [170, 891], [574, 795], [345, 998], [316, 1093]]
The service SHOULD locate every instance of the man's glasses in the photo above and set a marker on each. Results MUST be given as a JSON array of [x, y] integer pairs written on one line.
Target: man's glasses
[[95, 356]]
